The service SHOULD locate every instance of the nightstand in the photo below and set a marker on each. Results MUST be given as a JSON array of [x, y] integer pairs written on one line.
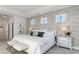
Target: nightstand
[[64, 42]]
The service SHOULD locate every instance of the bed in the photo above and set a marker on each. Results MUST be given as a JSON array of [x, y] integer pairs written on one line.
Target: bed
[[33, 44]]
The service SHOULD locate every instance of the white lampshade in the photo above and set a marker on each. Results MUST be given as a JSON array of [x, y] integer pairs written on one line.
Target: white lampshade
[[30, 29], [64, 29]]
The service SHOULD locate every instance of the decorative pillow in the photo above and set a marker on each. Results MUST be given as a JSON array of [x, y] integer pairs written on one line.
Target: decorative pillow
[[31, 33], [35, 33], [40, 34]]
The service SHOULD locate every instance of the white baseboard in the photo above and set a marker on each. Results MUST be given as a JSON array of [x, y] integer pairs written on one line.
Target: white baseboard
[[75, 47]]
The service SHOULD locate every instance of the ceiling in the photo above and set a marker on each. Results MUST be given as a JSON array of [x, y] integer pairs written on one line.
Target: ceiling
[[29, 10]]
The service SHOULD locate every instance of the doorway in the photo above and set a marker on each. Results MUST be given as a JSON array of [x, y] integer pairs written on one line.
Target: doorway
[[3, 30]]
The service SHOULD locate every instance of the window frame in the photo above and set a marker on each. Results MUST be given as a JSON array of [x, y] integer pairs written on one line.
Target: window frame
[[44, 20], [60, 18], [33, 21]]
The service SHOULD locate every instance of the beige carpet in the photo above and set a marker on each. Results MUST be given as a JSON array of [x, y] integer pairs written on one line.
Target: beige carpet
[[3, 49], [53, 50], [60, 50]]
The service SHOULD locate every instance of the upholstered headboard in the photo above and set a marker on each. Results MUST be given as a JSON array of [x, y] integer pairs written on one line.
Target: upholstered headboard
[[53, 32]]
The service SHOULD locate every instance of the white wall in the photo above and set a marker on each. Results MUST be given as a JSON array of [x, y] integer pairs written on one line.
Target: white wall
[[17, 20]]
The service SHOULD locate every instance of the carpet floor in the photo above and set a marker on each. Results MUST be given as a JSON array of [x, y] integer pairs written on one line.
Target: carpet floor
[[60, 50], [54, 50]]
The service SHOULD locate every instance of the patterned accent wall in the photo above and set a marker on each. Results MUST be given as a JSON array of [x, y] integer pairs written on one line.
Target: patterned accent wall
[[51, 25], [72, 21]]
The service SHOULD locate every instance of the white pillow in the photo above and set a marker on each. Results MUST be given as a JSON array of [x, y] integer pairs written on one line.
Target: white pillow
[[35, 33], [49, 34]]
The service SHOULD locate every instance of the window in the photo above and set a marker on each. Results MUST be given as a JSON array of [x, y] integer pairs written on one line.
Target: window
[[57, 18], [33, 21], [60, 18], [43, 20]]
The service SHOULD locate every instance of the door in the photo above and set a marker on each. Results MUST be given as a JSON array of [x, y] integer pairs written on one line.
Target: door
[[3, 30]]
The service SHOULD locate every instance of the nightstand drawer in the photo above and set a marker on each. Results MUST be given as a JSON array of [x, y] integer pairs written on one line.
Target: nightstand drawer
[[64, 42]]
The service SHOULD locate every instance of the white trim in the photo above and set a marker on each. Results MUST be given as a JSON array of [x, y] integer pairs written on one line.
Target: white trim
[[8, 11]]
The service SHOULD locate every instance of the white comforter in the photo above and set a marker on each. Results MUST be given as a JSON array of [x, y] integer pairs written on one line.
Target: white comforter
[[33, 43]]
